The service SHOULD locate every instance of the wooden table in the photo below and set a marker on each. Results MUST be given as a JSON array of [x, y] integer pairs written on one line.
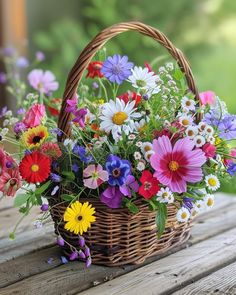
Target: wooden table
[[206, 265]]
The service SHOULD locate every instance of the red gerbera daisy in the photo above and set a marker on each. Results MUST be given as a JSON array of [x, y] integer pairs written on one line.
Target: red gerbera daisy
[[35, 167], [149, 185], [94, 68], [130, 96]]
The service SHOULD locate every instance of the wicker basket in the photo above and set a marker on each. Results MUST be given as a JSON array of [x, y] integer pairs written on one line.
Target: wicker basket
[[119, 237]]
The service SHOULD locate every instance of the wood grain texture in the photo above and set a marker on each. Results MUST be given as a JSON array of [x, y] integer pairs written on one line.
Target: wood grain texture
[[221, 282], [171, 273]]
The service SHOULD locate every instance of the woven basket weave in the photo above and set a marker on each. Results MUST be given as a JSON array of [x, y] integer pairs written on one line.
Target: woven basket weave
[[119, 237]]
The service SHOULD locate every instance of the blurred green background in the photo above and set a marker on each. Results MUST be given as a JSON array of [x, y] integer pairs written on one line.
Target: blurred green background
[[205, 30]]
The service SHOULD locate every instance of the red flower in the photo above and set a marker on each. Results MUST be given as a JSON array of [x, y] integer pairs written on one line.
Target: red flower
[[35, 167], [130, 96], [94, 69], [147, 65], [149, 185], [10, 182], [209, 150], [51, 149], [54, 107]]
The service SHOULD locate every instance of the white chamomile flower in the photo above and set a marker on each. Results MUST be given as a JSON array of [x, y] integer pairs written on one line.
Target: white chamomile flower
[[199, 140], [199, 206], [165, 195], [146, 146], [188, 103], [140, 125], [170, 66], [209, 131], [211, 139], [131, 136], [139, 144], [212, 182], [186, 120], [194, 212], [209, 200], [202, 127], [69, 143], [191, 131], [183, 214], [117, 117], [148, 155], [142, 79], [140, 166], [137, 156]]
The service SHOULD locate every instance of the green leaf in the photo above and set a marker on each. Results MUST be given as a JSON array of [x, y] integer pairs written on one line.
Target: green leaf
[[42, 188], [69, 175], [67, 198], [21, 199], [132, 208], [161, 218]]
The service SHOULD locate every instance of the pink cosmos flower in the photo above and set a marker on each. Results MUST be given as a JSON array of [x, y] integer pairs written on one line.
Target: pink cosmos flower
[[34, 115], [10, 182], [42, 81], [177, 165], [207, 97], [94, 176], [209, 150]]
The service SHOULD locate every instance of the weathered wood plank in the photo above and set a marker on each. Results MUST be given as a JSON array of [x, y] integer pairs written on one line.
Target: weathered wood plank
[[221, 282], [172, 272]]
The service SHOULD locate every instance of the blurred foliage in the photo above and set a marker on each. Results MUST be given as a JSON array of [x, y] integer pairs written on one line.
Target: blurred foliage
[[203, 29]]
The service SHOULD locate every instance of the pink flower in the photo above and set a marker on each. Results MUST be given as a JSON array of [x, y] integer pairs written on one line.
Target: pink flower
[[42, 81], [131, 185], [71, 104], [10, 182], [2, 161], [207, 97], [232, 154], [209, 150], [94, 176], [34, 115], [175, 166]]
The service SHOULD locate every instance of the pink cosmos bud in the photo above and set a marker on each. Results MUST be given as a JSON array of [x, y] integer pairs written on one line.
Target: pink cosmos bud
[[207, 97], [81, 241], [73, 255], [82, 255], [60, 241]]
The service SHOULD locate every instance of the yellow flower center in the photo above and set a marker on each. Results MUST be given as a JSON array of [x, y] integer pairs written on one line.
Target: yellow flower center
[[147, 148], [185, 122], [188, 103], [95, 175], [119, 118], [210, 202], [35, 168], [173, 165], [164, 195], [212, 181], [184, 215], [190, 133]]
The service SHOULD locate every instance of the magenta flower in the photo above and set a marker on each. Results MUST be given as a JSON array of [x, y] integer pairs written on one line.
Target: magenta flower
[[130, 185], [80, 117], [71, 106], [112, 197], [94, 176], [175, 166], [44, 82]]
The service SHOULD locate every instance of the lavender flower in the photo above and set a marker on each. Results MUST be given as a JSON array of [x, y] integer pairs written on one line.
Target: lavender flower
[[81, 254], [8, 51], [3, 111], [227, 127], [60, 241], [50, 260], [55, 177], [116, 68], [42, 81], [95, 85], [81, 152], [64, 260], [40, 56], [112, 197], [56, 131], [22, 62], [187, 203], [75, 167], [55, 190], [88, 262], [3, 78], [81, 241], [87, 251], [74, 255], [21, 111], [44, 207], [130, 185]]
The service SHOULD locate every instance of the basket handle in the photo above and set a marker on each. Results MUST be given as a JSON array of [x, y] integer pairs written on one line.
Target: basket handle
[[97, 43]]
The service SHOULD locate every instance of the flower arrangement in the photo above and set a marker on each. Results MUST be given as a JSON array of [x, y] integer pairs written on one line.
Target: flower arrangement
[[137, 133]]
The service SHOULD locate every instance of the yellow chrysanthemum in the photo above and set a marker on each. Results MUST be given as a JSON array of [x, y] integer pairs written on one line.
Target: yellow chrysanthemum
[[78, 217], [34, 137]]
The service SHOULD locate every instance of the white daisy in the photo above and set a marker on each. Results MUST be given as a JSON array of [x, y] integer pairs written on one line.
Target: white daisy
[[165, 195], [185, 120], [146, 146], [188, 103], [194, 213], [209, 200], [132, 136], [117, 117], [140, 125], [183, 214], [137, 156], [139, 144], [191, 131], [202, 127], [212, 182], [148, 155], [142, 79], [140, 166], [199, 206], [199, 140], [211, 139], [209, 130]]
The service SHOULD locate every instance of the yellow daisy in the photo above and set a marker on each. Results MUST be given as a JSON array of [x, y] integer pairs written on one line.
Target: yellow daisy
[[78, 217], [34, 137]]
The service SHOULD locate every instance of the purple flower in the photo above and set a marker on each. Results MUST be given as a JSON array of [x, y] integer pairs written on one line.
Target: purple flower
[[39, 56], [74, 255], [130, 185], [3, 111], [80, 151], [117, 169], [22, 62], [3, 78], [81, 254], [88, 262], [95, 85], [9, 164], [75, 167], [81, 241], [227, 127], [116, 68], [112, 197], [71, 106], [187, 203], [87, 251], [56, 131], [60, 241], [42, 81], [8, 51], [44, 207], [50, 261], [21, 111], [64, 260], [80, 117], [55, 177], [231, 169]]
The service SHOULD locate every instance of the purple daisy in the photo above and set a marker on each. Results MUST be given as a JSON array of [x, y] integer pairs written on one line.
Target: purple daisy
[[117, 68], [42, 81]]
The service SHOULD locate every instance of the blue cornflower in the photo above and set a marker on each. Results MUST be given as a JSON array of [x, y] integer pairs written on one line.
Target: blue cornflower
[[227, 127], [75, 167], [117, 68], [187, 203], [55, 177], [118, 170], [81, 152], [231, 169]]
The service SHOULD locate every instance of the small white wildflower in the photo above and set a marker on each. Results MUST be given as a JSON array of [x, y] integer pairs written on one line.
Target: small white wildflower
[[148, 155], [6, 122], [183, 214], [38, 224], [169, 66], [146, 146], [209, 130], [191, 131], [209, 200], [199, 206], [165, 195], [188, 103], [139, 144], [137, 156], [140, 166], [211, 139], [132, 136], [202, 127], [4, 132], [212, 182], [13, 120], [199, 140], [186, 120], [8, 114], [69, 143]]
